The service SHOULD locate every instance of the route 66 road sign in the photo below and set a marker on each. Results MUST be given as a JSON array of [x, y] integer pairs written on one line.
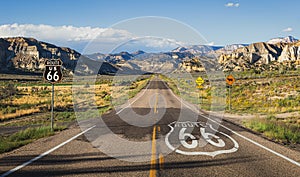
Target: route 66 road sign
[[199, 138], [53, 71]]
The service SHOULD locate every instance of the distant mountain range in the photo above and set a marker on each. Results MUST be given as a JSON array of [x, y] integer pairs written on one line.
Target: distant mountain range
[[19, 55], [28, 54], [288, 39]]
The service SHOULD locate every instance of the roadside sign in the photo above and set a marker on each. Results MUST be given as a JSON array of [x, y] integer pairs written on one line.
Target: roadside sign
[[53, 74], [199, 81], [230, 80], [53, 71]]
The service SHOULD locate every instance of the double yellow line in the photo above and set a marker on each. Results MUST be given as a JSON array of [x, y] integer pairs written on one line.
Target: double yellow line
[[153, 170], [153, 162]]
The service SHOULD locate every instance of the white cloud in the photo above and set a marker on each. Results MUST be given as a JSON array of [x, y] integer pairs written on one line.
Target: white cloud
[[231, 4], [161, 42], [83, 39], [210, 43], [61, 33], [289, 29], [149, 44]]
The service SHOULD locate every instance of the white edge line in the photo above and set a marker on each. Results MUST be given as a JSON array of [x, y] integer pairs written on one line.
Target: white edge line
[[245, 138], [256, 143], [45, 153], [129, 104]]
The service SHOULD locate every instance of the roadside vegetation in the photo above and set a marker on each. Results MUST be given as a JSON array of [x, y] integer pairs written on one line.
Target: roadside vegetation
[[8, 143], [286, 131], [273, 97], [27, 103], [19, 99]]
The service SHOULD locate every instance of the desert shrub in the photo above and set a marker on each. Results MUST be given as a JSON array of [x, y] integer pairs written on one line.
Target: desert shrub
[[8, 90]]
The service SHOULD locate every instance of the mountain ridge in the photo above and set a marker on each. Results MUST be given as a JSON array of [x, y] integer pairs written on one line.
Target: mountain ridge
[[25, 54], [288, 39], [20, 53]]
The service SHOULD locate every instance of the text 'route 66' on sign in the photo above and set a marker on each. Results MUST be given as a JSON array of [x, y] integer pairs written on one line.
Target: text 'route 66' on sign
[[53, 71], [199, 138]]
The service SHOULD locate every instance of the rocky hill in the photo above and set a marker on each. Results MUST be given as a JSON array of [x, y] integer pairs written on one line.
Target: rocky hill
[[196, 49], [28, 54], [141, 62], [275, 54], [19, 54], [271, 55], [262, 56]]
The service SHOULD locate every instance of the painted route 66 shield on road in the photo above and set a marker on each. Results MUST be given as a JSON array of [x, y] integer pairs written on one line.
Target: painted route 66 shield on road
[[199, 138], [53, 71]]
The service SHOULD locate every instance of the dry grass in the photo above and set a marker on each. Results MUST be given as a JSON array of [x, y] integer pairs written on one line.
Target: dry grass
[[26, 136], [268, 96], [19, 113], [28, 102], [36, 99], [285, 130]]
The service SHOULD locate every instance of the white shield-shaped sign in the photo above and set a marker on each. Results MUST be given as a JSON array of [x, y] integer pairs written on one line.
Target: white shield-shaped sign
[[199, 138]]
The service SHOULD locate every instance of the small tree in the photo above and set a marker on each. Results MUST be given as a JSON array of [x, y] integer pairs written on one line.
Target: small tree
[[282, 69], [87, 85]]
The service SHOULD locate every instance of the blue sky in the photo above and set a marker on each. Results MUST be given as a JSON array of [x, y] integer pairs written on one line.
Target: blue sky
[[242, 21]]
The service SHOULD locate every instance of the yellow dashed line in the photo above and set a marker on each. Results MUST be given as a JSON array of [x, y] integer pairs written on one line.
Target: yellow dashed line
[[161, 161], [153, 155], [153, 162]]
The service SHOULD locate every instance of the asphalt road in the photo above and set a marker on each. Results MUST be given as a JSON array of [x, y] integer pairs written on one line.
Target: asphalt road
[[156, 134]]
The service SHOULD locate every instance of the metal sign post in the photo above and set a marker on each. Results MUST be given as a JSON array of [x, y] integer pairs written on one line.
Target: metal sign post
[[229, 107], [230, 80], [52, 107], [53, 74], [199, 81]]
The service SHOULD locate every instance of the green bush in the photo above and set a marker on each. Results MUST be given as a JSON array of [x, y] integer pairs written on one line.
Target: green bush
[[9, 110], [107, 98], [8, 90], [25, 136], [275, 130]]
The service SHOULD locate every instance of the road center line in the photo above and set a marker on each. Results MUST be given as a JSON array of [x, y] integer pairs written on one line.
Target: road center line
[[236, 133], [129, 104], [160, 155], [45, 153], [161, 161], [153, 154]]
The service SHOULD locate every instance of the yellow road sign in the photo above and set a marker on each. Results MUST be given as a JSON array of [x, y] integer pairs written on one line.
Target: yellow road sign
[[230, 79], [199, 81]]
